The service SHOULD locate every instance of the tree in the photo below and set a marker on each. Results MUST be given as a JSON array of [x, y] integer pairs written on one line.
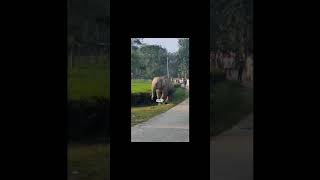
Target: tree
[[183, 57], [148, 61], [231, 25], [88, 23]]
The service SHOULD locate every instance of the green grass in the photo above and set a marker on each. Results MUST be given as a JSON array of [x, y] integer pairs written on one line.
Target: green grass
[[87, 81], [140, 86], [142, 114], [230, 102], [90, 161]]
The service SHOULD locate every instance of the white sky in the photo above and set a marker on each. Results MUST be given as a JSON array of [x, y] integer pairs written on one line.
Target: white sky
[[171, 44]]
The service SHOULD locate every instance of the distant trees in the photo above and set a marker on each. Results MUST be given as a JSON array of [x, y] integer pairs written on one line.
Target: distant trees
[[88, 26], [183, 58], [148, 61], [232, 25]]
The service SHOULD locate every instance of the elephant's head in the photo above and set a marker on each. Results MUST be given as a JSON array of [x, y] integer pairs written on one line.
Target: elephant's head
[[160, 86]]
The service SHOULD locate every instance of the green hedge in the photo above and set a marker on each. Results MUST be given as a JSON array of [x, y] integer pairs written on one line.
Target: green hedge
[[216, 75], [88, 119], [229, 103], [141, 99]]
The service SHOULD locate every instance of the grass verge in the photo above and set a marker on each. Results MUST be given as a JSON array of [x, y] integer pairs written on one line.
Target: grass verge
[[144, 113], [88, 162], [87, 81], [140, 86]]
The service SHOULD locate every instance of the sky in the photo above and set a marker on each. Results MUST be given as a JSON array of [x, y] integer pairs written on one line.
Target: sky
[[171, 44]]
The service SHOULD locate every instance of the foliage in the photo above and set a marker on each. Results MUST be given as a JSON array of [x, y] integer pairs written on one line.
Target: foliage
[[183, 57], [89, 160], [216, 75], [88, 119], [232, 25], [148, 61], [88, 25], [230, 102], [87, 80]]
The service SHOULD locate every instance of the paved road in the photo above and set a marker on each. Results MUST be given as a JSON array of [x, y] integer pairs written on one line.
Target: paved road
[[231, 153], [171, 126]]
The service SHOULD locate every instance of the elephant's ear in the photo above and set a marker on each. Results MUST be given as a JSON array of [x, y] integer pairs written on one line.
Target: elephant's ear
[[158, 83]]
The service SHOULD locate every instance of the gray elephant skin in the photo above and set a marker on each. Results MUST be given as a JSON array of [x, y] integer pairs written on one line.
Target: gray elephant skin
[[161, 86]]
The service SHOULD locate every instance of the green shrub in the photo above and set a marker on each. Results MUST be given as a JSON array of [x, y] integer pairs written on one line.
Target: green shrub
[[229, 103], [216, 75], [88, 119], [141, 99], [176, 85]]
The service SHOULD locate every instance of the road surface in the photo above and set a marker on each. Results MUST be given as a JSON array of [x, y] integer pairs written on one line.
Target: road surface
[[171, 126], [231, 153]]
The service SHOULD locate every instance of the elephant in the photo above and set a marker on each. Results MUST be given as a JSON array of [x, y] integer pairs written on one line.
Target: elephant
[[161, 86]]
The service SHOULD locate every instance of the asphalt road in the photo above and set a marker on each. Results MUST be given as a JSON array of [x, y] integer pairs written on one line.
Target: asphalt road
[[231, 153], [171, 126]]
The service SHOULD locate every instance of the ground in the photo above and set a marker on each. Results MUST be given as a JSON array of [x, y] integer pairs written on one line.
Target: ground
[[88, 161], [231, 146], [231, 153], [143, 113], [171, 126]]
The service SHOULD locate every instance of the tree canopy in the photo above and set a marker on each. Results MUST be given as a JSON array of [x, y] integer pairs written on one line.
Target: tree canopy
[[231, 25], [148, 61], [88, 23]]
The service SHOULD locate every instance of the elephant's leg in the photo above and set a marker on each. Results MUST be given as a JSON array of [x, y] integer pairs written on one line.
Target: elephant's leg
[[165, 96], [152, 94], [167, 99], [158, 93]]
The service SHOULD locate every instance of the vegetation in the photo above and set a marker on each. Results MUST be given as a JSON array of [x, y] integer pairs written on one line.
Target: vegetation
[[183, 58], [88, 120], [87, 80], [88, 68], [88, 161], [141, 92], [140, 86], [88, 26], [88, 89], [231, 30], [148, 61], [216, 75], [232, 25], [230, 102]]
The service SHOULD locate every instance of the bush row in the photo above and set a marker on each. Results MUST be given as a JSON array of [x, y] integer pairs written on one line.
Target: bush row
[[88, 119], [216, 75], [142, 99]]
